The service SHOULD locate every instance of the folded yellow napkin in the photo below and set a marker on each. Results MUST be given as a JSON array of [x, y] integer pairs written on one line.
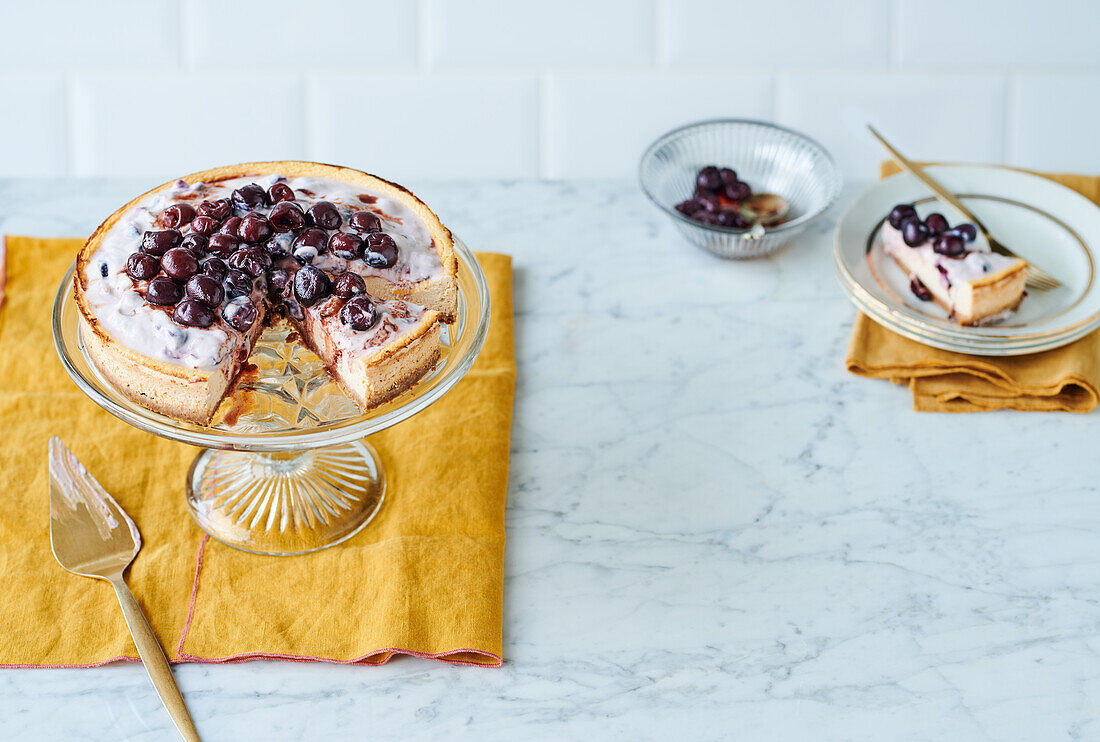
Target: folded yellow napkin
[[1066, 378], [424, 578]]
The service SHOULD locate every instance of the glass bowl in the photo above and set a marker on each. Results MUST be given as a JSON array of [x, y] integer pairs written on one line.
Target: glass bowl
[[284, 468], [770, 158]]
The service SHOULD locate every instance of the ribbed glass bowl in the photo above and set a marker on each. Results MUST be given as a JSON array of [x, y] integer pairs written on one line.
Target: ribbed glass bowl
[[770, 158]]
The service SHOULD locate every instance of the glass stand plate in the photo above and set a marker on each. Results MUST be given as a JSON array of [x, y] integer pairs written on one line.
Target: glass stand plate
[[285, 469]]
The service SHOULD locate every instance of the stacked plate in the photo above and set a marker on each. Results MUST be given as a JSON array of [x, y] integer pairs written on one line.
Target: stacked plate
[[1047, 224]]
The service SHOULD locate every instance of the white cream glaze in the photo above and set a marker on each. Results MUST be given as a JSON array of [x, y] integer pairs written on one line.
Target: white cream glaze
[[121, 310], [977, 263]]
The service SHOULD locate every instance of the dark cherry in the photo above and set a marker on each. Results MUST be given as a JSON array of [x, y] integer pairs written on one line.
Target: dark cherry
[[709, 202], [280, 192], [142, 267], [729, 177], [936, 224], [689, 207], [364, 221], [249, 197], [358, 313], [968, 231], [222, 245], [180, 263], [240, 313], [205, 225], [348, 284], [380, 251], [163, 291], [914, 232], [207, 289], [950, 245], [730, 218], [287, 217], [311, 285], [237, 283], [254, 228], [218, 210], [193, 313], [214, 267], [324, 215], [196, 243], [898, 213], [309, 244], [920, 290], [346, 245], [252, 260], [709, 178], [230, 226], [158, 243], [738, 191], [277, 279], [279, 245], [178, 215]]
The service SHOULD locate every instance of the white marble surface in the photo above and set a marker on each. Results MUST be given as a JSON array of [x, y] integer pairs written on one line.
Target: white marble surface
[[714, 532]]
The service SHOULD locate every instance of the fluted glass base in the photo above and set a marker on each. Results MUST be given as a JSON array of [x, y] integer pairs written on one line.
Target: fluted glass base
[[285, 503]]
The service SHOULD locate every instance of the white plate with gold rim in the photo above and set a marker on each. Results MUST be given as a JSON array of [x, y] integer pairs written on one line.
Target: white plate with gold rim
[[1055, 227]]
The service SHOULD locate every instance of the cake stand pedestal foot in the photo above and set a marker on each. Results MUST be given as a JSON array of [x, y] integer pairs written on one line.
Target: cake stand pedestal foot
[[285, 503]]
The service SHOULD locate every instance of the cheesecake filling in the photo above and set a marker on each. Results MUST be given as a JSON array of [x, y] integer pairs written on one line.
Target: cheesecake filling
[[118, 301], [977, 263]]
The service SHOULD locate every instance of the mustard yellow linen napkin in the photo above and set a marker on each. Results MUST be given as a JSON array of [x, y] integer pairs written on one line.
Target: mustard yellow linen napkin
[[424, 578], [1063, 379]]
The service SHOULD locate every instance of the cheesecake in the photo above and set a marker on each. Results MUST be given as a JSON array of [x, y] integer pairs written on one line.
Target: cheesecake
[[950, 266], [175, 288]]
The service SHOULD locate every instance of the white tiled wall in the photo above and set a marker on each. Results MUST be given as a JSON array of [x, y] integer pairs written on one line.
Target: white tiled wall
[[427, 89]]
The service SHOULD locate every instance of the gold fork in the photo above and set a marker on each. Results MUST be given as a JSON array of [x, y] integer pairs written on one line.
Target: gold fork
[[1037, 278], [93, 537]]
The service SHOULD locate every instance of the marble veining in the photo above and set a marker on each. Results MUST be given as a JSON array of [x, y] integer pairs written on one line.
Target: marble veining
[[714, 532]]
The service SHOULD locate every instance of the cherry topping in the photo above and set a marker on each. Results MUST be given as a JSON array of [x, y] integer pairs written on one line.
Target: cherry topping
[[920, 290], [324, 215], [689, 207], [158, 243], [309, 244], [346, 245], [950, 245], [178, 215], [222, 245], [936, 223], [279, 245], [254, 228], [240, 313], [205, 225], [280, 192], [709, 202], [214, 267], [277, 279], [163, 291], [180, 263], [348, 284], [380, 251], [968, 231], [364, 221], [914, 232], [230, 226], [192, 313], [249, 197], [358, 313], [311, 285], [738, 191], [898, 213], [251, 260], [142, 267], [207, 289], [287, 217], [237, 283], [730, 218], [218, 210], [196, 243]]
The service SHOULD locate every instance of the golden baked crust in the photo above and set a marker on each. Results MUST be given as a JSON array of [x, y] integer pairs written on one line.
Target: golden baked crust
[[194, 394]]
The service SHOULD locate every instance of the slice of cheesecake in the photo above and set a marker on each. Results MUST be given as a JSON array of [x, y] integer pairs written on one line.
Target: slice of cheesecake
[[175, 288], [951, 267]]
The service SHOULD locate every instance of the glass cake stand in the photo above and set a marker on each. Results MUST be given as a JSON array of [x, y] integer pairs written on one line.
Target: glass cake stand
[[285, 469]]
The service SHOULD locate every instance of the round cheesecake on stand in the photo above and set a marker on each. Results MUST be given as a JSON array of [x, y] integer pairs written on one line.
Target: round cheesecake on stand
[[175, 288]]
